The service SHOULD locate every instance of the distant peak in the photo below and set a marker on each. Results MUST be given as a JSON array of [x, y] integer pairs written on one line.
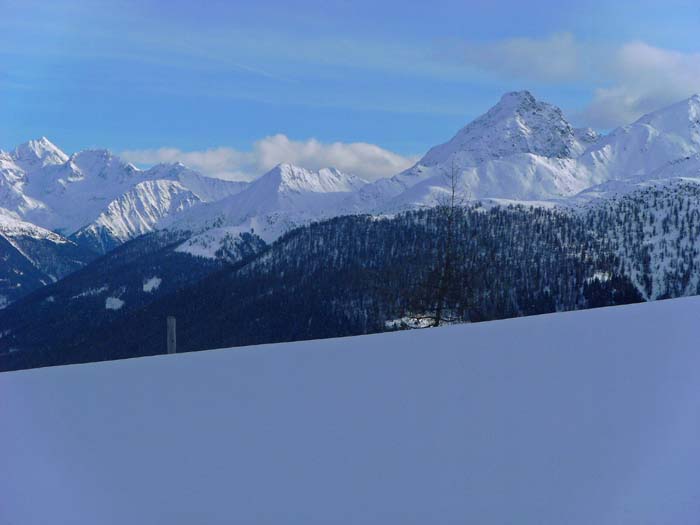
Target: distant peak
[[284, 166], [289, 177], [518, 97], [41, 143], [288, 171], [694, 102], [518, 124], [518, 102], [40, 151]]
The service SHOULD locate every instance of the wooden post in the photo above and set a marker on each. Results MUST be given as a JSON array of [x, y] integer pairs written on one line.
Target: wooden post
[[172, 336]]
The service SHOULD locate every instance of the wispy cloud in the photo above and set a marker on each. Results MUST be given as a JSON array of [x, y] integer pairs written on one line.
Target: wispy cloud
[[643, 78], [554, 58], [365, 160], [626, 80]]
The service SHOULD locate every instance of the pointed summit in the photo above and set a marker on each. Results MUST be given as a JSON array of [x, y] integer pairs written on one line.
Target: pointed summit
[[518, 124], [515, 100], [290, 178], [38, 153]]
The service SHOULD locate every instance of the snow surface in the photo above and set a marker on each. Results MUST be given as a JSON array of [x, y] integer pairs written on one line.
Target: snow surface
[[152, 284], [285, 197], [41, 184], [581, 418], [523, 149], [11, 227], [113, 303], [148, 205]]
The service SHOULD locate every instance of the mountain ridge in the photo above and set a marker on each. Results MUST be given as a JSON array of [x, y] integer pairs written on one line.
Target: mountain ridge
[[520, 150]]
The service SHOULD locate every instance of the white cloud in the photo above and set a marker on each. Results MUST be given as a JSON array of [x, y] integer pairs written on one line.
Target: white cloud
[[365, 160], [626, 80], [643, 78], [224, 163]]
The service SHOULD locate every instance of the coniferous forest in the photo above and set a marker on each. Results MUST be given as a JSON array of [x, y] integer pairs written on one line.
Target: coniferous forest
[[364, 274], [347, 276]]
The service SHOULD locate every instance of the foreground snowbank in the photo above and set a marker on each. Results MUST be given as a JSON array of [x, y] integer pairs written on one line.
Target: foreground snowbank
[[577, 418]]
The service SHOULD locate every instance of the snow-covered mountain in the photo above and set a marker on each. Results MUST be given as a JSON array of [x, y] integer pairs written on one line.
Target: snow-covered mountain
[[517, 124], [142, 209], [625, 228], [33, 257], [93, 198], [42, 185], [521, 150], [285, 197], [649, 144], [525, 150]]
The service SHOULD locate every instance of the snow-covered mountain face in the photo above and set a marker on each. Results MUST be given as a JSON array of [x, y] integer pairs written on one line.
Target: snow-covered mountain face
[[41, 184], [526, 150], [33, 257], [517, 124], [520, 149], [649, 144], [147, 206], [36, 154], [285, 197]]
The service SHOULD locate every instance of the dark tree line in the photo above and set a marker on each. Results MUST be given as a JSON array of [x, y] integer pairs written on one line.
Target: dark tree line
[[361, 274]]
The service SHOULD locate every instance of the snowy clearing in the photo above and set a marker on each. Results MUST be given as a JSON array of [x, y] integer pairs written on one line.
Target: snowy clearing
[[581, 418], [152, 284], [113, 303]]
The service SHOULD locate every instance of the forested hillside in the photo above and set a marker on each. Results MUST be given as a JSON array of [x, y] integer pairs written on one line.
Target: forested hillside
[[345, 276]]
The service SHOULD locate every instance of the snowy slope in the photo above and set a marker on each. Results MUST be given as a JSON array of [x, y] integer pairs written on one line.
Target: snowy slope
[[207, 189], [581, 418], [285, 197], [521, 177], [654, 228], [648, 144], [11, 227], [33, 257], [41, 184], [72, 194], [37, 154], [517, 124], [146, 207], [520, 149], [523, 149]]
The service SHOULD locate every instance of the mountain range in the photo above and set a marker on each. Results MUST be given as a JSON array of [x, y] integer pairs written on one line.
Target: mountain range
[[522, 149], [97, 240]]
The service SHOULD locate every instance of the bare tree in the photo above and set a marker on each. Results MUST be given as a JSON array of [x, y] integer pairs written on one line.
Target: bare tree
[[442, 280]]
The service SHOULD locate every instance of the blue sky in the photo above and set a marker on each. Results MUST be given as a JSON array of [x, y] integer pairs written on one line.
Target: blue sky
[[234, 86]]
